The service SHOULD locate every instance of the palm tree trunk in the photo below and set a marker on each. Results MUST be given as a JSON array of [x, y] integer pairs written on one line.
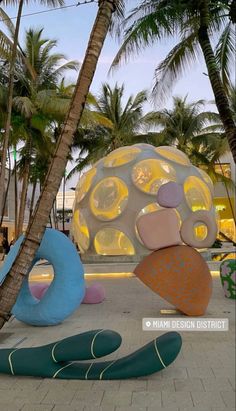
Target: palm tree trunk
[[32, 199], [214, 76], [36, 228], [16, 197], [7, 189], [23, 201], [54, 210], [63, 203], [9, 106]]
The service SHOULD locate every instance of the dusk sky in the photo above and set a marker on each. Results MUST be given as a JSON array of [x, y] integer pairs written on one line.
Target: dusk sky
[[72, 27]]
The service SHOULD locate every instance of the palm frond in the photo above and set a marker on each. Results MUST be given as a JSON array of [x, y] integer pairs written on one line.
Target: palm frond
[[179, 59], [225, 54], [24, 105], [144, 31], [7, 22]]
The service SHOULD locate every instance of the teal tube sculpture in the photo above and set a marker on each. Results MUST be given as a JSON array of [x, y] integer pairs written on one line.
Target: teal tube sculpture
[[60, 359]]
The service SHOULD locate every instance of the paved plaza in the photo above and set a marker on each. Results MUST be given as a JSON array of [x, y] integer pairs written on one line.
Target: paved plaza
[[201, 379]]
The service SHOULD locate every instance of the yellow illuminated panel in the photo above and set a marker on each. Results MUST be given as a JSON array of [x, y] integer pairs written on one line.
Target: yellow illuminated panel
[[206, 178], [80, 231], [121, 156], [173, 154], [109, 198], [110, 241], [84, 184], [197, 194], [148, 175], [200, 231], [227, 227]]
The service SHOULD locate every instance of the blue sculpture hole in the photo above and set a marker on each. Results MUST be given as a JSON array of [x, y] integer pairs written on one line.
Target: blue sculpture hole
[[40, 277]]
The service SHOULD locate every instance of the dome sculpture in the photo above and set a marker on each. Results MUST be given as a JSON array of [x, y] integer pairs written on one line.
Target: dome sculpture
[[123, 186]]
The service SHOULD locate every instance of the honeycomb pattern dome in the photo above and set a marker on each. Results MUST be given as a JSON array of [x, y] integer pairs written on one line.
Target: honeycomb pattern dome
[[122, 186]]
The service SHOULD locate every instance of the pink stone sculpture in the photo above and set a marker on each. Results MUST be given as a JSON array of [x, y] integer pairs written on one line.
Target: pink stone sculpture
[[159, 229], [170, 195], [39, 289], [94, 294]]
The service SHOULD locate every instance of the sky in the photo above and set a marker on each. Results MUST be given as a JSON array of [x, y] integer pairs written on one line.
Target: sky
[[72, 26]]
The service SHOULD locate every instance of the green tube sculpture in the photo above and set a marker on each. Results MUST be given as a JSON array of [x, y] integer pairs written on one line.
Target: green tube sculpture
[[60, 359]]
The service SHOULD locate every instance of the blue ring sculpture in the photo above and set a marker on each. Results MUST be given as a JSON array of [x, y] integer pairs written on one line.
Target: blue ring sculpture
[[67, 289]]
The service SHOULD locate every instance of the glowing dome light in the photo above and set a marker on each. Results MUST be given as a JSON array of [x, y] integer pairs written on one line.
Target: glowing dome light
[[121, 186], [84, 184], [173, 154], [80, 231], [109, 198], [110, 241], [200, 231], [149, 175], [207, 179], [197, 194], [121, 156]]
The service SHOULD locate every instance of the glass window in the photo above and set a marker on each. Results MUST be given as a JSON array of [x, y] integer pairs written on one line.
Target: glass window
[[80, 231], [109, 198], [173, 154], [84, 184], [121, 156], [148, 175], [110, 241], [197, 194]]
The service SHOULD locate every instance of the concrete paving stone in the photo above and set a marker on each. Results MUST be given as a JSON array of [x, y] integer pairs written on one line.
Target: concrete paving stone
[[131, 408], [61, 396], [232, 383], [161, 385], [31, 383], [116, 398], [207, 399], [216, 384], [87, 397], [175, 372], [163, 409], [202, 408], [146, 399], [106, 385], [37, 407], [67, 408], [179, 399], [10, 407], [197, 359], [223, 409], [199, 372], [53, 383], [7, 383], [21, 396], [79, 385], [133, 385], [224, 371], [159, 376], [229, 398], [92, 408], [188, 384]]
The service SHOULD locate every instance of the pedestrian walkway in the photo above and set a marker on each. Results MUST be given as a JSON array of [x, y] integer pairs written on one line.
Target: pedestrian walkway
[[201, 379]]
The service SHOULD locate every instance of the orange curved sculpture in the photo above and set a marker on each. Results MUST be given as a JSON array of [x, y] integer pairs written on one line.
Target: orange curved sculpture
[[180, 275]]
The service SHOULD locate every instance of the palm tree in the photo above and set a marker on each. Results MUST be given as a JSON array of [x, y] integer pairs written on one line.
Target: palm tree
[[192, 130], [37, 99], [115, 123], [11, 285], [12, 48], [194, 21]]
